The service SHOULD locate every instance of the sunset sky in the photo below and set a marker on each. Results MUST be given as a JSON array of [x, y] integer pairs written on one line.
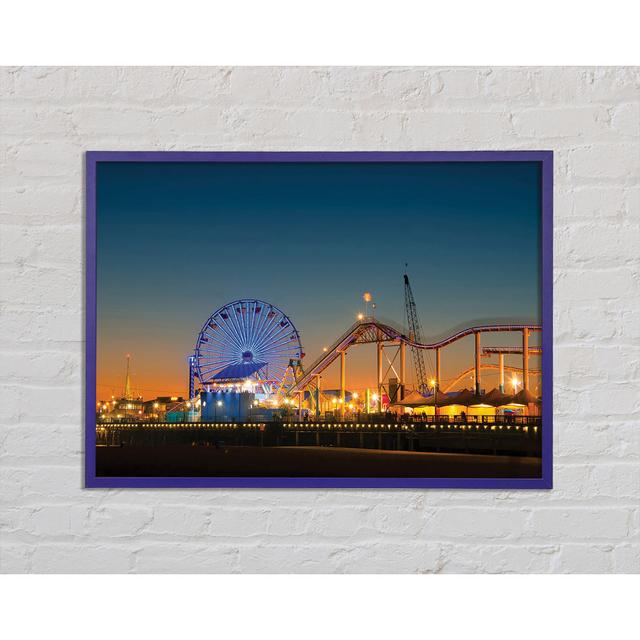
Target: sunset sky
[[178, 240]]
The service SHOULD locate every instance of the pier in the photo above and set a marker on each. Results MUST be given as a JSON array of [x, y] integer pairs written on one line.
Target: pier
[[492, 435]]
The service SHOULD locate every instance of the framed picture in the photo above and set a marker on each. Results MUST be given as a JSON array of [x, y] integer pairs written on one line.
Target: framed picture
[[356, 319]]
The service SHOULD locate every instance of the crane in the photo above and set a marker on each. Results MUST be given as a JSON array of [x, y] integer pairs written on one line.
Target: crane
[[415, 333]]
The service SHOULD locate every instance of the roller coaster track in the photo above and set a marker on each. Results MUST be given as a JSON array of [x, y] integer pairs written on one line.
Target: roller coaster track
[[485, 367], [370, 330]]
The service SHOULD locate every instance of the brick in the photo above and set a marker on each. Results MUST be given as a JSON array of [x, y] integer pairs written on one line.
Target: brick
[[75, 558], [483, 558], [185, 558], [456, 522], [412, 556], [507, 84], [561, 122], [422, 128], [625, 119], [178, 520], [606, 161], [458, 83], [585, 558], [15, 558], [583, 523], [626, 558], [245, 522]]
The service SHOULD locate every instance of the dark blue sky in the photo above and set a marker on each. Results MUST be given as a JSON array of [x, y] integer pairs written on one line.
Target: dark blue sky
[[178, 240]]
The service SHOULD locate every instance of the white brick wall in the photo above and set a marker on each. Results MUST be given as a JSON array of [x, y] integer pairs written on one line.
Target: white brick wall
[[589, 117]]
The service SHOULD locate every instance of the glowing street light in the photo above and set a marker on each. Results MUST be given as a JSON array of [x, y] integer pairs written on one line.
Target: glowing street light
[[514, 383], [366, 296], [360, 316]]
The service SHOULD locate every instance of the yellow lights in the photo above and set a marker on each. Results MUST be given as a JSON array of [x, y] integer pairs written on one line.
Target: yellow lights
[[334, 401], [514, 383], [219, 403], [374, 397], [354, 395], [351, 407], [361, 316], [325, 349], [156, 405], [432, 382], [366, 296], [188, 405], [174, 398]]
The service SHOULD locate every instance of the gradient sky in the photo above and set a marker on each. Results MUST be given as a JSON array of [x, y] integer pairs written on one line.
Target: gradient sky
[[178, 240]]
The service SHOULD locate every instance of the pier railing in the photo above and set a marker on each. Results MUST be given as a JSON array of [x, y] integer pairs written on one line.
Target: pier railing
[[519, 435]]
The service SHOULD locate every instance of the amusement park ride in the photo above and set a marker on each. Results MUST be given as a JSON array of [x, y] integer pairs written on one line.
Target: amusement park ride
[[251, 345], [250, 341]]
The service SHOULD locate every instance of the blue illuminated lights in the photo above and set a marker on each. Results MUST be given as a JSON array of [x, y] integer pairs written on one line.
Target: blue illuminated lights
[[246, 338]]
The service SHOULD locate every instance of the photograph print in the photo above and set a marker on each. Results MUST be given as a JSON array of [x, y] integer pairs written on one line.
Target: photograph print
[[319, 319]]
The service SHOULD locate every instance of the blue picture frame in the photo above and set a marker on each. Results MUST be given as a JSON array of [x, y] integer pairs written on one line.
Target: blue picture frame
[[545, 158]]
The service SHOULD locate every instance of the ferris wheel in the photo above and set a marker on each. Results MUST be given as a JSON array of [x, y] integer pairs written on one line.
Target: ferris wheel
[[247, 339]]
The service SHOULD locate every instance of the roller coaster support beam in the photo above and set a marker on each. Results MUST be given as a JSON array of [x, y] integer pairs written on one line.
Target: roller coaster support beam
[[438, 368], [403, 369], [379, 344], [501, 365], [343, 375], [478, 381], [525, 358], [318, 395]]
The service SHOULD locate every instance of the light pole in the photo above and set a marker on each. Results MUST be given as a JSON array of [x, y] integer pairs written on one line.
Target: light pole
[[367, 299], [215, 410], [434, 384]]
